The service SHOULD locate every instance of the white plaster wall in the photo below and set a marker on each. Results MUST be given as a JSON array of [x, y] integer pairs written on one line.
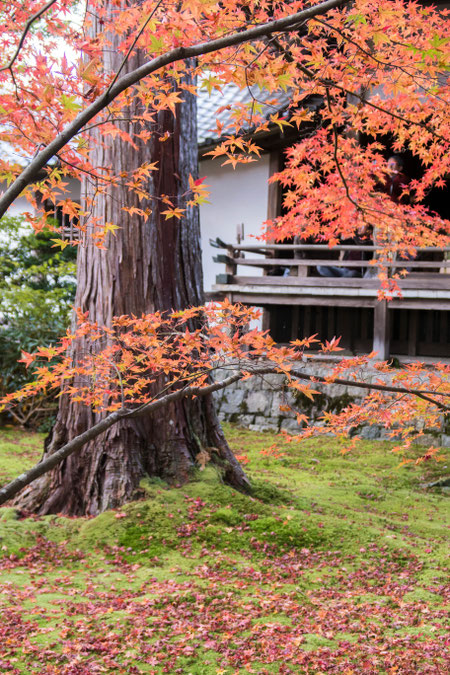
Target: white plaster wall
[[74, 189], [236, 196], [19, 206]]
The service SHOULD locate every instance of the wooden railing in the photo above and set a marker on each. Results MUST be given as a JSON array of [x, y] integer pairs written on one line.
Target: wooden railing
[[295, 283], [307, 257]]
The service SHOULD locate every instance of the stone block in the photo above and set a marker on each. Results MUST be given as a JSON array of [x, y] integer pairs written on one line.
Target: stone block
[[277, 400], [290, 425], [264, 424], [232, 401], [220, 374], [244, 421], [428, 441], [259, 402], [385, 435], [445, 441], [370, 432], [272, 381]]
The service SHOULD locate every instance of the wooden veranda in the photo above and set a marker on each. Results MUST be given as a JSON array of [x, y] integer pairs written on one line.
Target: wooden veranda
[[298, 301]]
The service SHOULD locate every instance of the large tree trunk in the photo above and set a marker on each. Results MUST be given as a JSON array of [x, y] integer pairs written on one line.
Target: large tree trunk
[[147, 266]]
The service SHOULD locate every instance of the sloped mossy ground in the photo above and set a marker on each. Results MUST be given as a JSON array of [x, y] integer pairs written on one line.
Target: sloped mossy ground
[[336, 564]]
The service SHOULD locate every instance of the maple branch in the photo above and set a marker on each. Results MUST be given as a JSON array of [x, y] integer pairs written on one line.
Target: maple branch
[[28, 25], [385, 64], [377, 387], [326, 82], [365, 101], [30, 173], [12, 488], [45, 465], [133, 44], [336, 158]]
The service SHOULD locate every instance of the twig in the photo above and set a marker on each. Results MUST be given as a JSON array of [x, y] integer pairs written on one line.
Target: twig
[[28, 25], [133, 44], [336, 159]]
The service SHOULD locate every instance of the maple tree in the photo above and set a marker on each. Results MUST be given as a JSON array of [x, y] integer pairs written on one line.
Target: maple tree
[[378, 68]]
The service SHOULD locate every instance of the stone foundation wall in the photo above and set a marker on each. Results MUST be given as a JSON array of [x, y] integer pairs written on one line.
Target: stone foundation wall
[[255, 404]]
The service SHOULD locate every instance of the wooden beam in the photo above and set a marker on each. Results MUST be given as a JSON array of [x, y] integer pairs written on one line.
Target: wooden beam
[[424, 282], [265, 300], [230, 265], [381, 330], [224, 279], [324, 247], [222, 258], [274, 190]]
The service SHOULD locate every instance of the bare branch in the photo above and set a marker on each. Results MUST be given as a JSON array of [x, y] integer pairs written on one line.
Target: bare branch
[[336, 159]]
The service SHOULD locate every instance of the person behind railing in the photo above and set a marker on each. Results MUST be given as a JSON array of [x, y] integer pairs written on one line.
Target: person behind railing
[[342, 271], [395, 186]]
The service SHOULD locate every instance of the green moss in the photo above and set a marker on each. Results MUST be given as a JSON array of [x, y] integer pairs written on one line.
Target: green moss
[[312, 642], [288, 534], [358, 508], [269, 493], [19, 451], [17, 535], [7, 514], [227, 516]]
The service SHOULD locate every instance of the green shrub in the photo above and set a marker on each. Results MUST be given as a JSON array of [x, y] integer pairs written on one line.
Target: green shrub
[[37, 288]]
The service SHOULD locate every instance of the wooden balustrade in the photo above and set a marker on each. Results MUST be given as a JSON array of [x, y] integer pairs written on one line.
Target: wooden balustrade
[[295, 282]]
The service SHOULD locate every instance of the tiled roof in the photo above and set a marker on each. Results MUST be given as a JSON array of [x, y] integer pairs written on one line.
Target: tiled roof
[[207, 105]]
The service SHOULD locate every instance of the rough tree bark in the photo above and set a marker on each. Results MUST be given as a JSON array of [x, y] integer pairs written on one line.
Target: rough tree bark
[[147, 266]]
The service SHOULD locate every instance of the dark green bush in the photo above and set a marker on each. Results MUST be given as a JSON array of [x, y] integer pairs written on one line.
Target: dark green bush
[[37, 288]]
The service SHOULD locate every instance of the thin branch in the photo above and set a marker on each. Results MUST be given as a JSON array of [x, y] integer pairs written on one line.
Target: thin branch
[[336, 160], [362, 98], [98, 178], [45, 465], [28, 25], [378, 387], [387, 65], [133, 44]]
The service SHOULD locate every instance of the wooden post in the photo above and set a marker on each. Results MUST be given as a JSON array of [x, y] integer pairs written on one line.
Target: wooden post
[[273, 210], [381, 330], [294, 325], [412, 333], [230, 267]]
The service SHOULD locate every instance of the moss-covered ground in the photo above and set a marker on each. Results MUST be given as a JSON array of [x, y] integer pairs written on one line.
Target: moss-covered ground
[[335, 564]]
